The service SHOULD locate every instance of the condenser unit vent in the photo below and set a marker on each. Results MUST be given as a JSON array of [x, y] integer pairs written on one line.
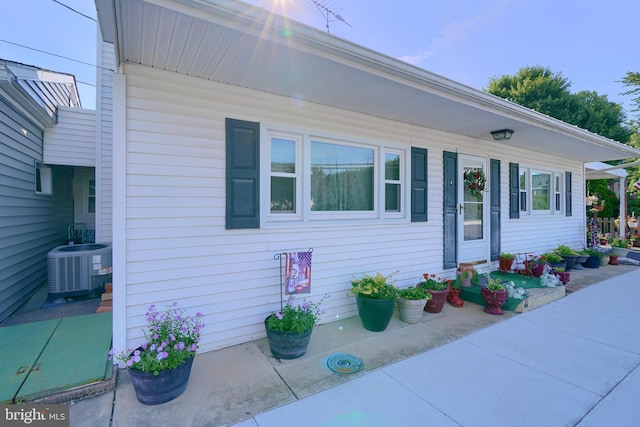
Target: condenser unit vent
[[79, 269]]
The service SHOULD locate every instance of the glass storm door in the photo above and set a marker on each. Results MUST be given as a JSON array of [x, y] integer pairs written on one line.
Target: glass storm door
[[473, 230]]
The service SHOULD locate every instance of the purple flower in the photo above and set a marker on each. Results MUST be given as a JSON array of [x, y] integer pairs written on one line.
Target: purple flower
[[279, 315], [172, 337], [129, 363], [136, 353], [181, 345]]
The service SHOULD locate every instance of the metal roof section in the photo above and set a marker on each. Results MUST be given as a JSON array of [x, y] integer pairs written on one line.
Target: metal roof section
[[238, 44], [39, 91]]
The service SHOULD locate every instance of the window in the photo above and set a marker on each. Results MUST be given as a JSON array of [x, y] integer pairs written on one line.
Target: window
[[316, 178], [392, 183], [540, 191], [342, 177], [284, 178], [91, 197], [523, 190], [44, 180], [556, 192]]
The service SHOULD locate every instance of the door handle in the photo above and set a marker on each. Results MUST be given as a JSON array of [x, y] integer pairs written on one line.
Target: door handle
[[460, 208]]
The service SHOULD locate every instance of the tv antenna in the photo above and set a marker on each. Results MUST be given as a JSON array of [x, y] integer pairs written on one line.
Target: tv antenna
[[329, 15]]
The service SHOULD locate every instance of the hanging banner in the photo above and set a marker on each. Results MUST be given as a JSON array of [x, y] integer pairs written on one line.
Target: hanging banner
[[636, 185], [298, 273]]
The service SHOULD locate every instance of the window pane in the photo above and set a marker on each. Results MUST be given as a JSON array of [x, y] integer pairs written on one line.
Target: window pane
[[392, 167], [473, 221], [523, 180], [341, 177], [392, 197], [283, 194], [540, 191], [283, 155]]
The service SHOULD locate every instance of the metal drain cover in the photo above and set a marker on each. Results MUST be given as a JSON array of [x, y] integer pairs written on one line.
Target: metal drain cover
[[343, 363]]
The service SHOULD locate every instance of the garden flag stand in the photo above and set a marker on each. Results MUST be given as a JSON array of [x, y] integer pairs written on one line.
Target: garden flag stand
[[297, 272]]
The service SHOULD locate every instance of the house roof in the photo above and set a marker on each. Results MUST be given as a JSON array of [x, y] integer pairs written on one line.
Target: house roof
[[238, 44], [37, 90]]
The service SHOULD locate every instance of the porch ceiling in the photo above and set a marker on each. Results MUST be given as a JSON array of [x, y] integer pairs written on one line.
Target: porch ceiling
[[241, 45]]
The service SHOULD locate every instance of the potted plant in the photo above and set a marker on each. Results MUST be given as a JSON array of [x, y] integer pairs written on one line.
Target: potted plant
[[562, 274], [554, 259], [453, 297], [619, 247], [289, 330], [536, 265], [439, 288], [411, 302], [494, 295], [375, 297], [594, 257], [568, 254], [505, 261], [160, 367], [465, 272]]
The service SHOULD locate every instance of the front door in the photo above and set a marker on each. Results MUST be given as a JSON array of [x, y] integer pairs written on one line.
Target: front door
[[473, 209]]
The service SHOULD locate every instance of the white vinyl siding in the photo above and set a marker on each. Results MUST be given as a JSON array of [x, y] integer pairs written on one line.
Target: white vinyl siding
[[72, 141], [104, 143], [177, 248], [31, 224]]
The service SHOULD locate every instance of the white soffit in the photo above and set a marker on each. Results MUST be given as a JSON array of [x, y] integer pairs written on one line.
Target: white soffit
[[241, 45]]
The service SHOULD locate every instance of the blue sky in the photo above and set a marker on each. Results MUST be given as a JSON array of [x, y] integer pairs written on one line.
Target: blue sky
[[592, 43]]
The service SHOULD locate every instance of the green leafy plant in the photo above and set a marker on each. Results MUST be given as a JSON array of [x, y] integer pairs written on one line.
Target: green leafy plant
[[414, 293], [375, 287], [171, 338], [552, 257], [495, 284], [620, 243], [596, 251], [558, 269], [565, 250], [434, 283], [297, 318], [506, 255]]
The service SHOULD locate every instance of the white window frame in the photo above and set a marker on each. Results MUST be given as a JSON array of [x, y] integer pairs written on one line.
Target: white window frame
[[553, 191], [401, 181], [304, 214], [298, 142]]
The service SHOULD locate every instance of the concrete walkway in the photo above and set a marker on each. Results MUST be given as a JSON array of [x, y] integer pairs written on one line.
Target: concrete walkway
[[572, 362]]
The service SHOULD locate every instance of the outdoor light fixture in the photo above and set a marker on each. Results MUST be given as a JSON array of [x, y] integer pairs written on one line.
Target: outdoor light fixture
[[502, 134]]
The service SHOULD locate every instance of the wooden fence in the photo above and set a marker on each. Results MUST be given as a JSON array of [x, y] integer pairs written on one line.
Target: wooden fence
[[607, 225]]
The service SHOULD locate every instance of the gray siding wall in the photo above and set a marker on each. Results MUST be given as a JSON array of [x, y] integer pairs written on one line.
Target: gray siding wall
[[30, 224]]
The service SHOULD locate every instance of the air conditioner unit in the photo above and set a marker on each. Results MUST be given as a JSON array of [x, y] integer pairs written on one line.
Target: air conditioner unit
[[79, 269]]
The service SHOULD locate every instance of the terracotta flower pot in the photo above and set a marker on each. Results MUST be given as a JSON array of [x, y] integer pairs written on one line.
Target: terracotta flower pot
[[435, 304], [454, 298], [505, 263]]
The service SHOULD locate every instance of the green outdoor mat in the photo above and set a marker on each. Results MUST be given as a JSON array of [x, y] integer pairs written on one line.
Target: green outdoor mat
[[75, 355], [472, 294], [21, 348]]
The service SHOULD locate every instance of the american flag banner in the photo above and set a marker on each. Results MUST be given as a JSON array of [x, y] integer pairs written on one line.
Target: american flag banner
[[298, 273], [636, 185]]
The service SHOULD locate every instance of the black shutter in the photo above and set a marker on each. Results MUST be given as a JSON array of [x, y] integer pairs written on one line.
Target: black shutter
[[494, 194], [243, 174], [450, 210], [419, 191], [514, 190], [567, 193]]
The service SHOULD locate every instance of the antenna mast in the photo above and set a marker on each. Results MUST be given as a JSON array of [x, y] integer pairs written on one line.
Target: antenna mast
[[328, 14]]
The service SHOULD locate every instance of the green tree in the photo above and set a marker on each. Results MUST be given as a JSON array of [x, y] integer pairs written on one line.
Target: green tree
[[547, 92]]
